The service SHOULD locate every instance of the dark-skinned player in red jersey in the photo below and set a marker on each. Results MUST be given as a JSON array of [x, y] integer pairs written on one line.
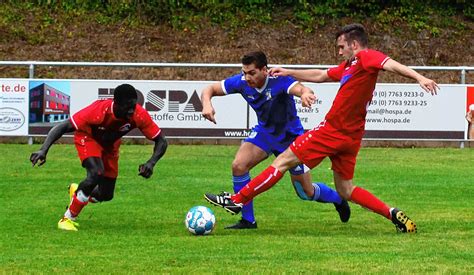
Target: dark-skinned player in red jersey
[[98, 129], [340, 134]]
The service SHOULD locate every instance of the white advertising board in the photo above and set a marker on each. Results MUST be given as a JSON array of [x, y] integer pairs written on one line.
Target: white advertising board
[[174, 105], [171, 104], [397, 111], [14, 107], [401, 111]]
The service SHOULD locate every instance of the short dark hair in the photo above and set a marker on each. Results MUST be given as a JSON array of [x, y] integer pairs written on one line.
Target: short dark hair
[[258, 58], [354, 32], [124, 92]]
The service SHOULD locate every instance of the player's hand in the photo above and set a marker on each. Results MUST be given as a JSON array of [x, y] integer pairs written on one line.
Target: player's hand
[[278, 71], [307, 99], [429, 85], [469, 114], [145, 170], [38, 157], [208, 113]]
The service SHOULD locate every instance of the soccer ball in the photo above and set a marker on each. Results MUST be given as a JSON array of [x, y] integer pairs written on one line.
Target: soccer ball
[[200, 220]]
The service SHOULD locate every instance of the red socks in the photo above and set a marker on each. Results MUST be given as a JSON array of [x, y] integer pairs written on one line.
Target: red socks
[[271, 176], [259, 184], [76, 206], [369, 201]]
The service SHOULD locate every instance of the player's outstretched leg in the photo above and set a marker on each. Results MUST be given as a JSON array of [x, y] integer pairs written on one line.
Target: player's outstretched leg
[[402, 222], [223, 200]]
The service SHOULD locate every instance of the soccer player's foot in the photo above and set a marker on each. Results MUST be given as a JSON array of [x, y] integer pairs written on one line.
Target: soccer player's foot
[[344, 210], [402, 222], [67, 224], [223, 200], [72, 189], [243, 224]]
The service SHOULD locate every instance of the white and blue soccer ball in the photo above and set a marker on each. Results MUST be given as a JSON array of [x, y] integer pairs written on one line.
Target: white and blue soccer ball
[[200, 220]]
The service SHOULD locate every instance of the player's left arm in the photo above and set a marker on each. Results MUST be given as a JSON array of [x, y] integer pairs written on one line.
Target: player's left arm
[[305, 93], [161, 144], [427, 84]]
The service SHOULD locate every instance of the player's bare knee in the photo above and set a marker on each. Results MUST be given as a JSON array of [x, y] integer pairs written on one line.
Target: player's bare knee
[[239, 168]]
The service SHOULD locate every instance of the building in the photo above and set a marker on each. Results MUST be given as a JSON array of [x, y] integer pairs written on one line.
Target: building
[[48, 104]]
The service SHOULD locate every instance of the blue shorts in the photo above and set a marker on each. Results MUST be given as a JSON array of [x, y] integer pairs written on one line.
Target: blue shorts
[[275, 145]]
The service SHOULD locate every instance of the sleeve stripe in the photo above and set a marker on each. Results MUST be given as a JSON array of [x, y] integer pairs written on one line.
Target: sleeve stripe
[[223, 87], [291, 86], [157, 134], [74, 123], [385, 60]]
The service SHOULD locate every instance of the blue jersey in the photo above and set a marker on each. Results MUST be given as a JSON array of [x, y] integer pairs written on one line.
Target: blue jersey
[[274, 106]]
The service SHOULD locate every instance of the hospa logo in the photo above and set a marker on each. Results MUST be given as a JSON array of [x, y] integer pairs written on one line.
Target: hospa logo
[[173, 101]]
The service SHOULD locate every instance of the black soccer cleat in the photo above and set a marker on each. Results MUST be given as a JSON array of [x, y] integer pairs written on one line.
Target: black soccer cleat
[[223, 200], [402, 222], [344, 210], [243, 224]]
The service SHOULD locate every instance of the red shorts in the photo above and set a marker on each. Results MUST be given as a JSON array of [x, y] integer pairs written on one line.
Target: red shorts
[[87, 147], [324, 141]]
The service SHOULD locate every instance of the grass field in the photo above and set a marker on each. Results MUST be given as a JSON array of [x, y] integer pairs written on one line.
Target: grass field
[[142, 229]]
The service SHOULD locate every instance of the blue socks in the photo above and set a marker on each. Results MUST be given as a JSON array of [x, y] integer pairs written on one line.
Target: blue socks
[[239, 183], [324, 193]]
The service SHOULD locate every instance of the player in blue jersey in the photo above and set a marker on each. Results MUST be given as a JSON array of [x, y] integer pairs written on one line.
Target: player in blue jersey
[[272, 99]]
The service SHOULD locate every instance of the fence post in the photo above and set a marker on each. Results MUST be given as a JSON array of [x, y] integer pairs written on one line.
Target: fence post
[[31, 72]]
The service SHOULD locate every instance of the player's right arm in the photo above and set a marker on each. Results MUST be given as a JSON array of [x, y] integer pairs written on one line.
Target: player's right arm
[[207, 94], [54, 134], [311, 75]]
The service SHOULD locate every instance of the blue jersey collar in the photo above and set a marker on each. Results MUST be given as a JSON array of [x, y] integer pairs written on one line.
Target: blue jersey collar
[[263, 87]]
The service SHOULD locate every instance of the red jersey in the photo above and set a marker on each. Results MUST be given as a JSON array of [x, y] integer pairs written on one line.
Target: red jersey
[[99, 122], [358, 77]]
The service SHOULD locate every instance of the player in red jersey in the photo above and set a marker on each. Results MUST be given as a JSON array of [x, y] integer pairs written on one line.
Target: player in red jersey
[[339, 135], [98, 131]]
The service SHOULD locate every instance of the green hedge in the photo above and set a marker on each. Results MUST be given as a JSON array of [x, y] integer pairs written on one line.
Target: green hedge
[[238, 13]]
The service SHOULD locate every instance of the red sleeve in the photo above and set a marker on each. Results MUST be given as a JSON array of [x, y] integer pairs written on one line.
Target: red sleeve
[[336, 72], [91, 115], [146, 125], [373, 61]]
